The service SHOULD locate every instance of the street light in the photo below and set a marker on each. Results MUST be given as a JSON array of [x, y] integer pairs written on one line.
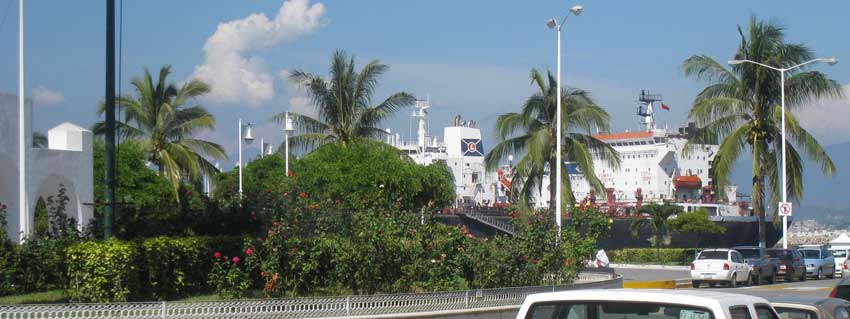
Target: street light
[[553, 24], [287, 129], [249, 138], [830, 61]]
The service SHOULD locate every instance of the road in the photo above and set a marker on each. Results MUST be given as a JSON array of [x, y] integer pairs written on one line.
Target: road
[[806, 288]]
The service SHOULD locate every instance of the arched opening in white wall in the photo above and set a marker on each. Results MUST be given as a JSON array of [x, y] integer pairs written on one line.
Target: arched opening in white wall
[[51, 186]]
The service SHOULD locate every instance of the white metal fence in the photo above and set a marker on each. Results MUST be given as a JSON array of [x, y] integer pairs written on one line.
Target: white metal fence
[[310, 307]]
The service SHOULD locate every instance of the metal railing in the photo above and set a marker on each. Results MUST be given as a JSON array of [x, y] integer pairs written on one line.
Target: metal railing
[[492, 221], [309, 307]]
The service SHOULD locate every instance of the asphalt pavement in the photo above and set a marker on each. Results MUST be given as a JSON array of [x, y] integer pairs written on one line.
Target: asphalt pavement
[[810, 287]]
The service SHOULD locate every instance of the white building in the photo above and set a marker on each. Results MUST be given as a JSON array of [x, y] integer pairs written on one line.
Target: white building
[[66, 162]]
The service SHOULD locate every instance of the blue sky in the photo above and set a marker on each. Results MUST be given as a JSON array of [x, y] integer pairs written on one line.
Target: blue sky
[[470, 57]]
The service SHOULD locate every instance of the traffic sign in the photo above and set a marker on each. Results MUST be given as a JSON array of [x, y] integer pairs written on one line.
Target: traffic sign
[[785, 208]]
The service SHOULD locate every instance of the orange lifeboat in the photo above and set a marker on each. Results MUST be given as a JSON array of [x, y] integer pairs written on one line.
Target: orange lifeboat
[[687, 182]]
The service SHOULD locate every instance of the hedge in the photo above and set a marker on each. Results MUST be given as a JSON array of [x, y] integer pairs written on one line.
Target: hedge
[[678, 256], [101, 271]]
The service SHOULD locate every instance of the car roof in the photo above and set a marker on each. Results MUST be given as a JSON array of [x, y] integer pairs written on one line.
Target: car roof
[[703, 298], [746, 247], [716, 249]]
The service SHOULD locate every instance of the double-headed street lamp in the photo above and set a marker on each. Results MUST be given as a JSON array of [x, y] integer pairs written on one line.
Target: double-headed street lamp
[[249, 138], [553, 24], [830, 61], [288, 128]]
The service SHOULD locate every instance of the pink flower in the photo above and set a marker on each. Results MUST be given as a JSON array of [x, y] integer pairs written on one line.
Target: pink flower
[[217, 255], [314, 206], [235, 259], [3, 206], [276, 224], [249, 252], [302, 194], [188, 193]]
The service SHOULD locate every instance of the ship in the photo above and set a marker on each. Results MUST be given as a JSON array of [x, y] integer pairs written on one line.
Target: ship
[[657, 165]]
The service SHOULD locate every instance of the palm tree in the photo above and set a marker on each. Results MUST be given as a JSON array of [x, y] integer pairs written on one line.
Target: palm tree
[[657, 222], [160, 120], [532, 132], [39, 140], [343, 103], [741, 109]]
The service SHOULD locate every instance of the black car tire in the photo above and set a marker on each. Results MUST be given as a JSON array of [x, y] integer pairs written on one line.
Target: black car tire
[[695, 283], [733, 283], [831, 274], [819, 276], [749, 280], [803, 276], [759, 279], [772, 279]]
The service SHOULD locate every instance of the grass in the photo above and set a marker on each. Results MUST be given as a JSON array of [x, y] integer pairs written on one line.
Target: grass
[[52, 296]]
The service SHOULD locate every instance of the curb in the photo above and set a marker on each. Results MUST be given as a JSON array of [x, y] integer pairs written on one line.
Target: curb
[[653, 267], [660, 284]]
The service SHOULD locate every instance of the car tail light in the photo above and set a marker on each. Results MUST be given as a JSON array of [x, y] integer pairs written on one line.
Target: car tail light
[[834, 292], [725, 266], [845, 264], [694, 267]]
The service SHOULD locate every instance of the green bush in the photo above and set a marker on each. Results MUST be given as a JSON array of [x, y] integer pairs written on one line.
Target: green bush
[[173, 267], [102, 271], [677, 256]]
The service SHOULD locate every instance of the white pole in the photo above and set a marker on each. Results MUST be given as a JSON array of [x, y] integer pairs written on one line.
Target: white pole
[[558, 159], [240, 158], [784, 181], [22, 145], [286, 150], [262, 147]]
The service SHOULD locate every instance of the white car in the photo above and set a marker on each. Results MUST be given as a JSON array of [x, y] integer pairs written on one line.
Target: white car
[[644, 303], [840, 256], [720, 265]]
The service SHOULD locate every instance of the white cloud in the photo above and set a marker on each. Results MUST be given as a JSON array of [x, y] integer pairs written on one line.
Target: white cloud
[[232, 67], [828, 119], [47, 97]]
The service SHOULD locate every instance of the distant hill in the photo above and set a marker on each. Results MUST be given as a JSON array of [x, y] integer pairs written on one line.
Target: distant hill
[[823, 198]]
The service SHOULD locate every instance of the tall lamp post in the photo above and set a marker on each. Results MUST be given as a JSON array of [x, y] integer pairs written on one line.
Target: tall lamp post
[[249, 137], [553, 24], [830, 61], [288, 128]]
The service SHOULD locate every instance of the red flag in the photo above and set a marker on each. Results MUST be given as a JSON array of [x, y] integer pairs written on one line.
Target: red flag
[[665, 107]]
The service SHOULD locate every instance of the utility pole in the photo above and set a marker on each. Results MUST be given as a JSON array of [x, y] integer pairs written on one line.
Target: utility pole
[[109, 212]]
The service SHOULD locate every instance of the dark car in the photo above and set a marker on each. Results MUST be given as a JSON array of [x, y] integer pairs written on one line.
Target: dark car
[[791, 264], [842, 289], [762, 266], [811, 307]]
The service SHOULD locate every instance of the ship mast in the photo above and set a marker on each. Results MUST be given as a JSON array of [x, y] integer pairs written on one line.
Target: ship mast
[[645, 108], [422, 107]]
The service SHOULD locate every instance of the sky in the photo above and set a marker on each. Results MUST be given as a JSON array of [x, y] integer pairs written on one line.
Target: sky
[[469, 57]]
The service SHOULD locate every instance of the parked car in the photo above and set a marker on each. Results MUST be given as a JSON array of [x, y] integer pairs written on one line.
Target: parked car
[[791, 265], [842, 289], [844, 271], [840, 256], [762, 266], [720, 265], [650, 303], [819, 261], [811, 307]]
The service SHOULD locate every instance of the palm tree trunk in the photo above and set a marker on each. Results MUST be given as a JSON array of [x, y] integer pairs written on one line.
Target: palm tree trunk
[[553, 190], [758, 191]]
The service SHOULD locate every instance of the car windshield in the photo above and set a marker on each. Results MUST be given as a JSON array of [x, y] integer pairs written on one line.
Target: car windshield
[[615, 310], [794, 313], [810, 253], [749, 253], [713, 254], [839, 253], [780, 253]]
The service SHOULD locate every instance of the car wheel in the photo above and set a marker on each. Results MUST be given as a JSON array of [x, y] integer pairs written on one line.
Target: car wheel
[[733, 283], [820, 274], [749, 280], [759, 279], [772, 279], [831, 275], [803, 275], [695, 283], [788, 277], [712, 284]]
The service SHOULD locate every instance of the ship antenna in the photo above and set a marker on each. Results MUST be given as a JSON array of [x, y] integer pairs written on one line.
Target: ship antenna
[[645, 109]]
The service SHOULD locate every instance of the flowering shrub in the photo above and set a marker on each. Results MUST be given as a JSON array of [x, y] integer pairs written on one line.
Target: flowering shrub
[[227, 277]]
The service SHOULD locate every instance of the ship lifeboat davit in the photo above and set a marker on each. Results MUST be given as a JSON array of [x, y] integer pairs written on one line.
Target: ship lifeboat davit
[[685, 181]]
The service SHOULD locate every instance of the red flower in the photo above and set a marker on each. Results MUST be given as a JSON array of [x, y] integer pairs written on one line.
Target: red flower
[[217, 255], [188, 193], [314, 206], [290, 173], [285, 193], [253, 216], [268, 190], [235, 259], [302, 194], [276, 224], [249, 252]]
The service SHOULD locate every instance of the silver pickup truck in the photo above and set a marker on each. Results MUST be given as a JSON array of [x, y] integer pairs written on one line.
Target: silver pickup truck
[[819, 261]]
